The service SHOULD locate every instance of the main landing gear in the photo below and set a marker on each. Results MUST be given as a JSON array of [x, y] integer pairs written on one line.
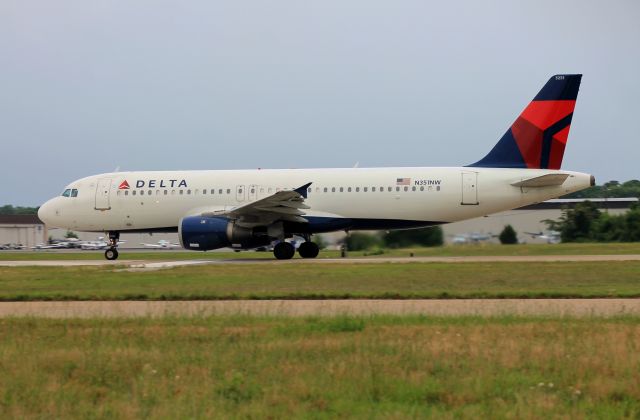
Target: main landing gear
[[308, 249], [285, 251], [112, 252]]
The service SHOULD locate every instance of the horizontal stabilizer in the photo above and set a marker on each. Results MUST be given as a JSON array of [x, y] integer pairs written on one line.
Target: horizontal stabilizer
[[548, 180]]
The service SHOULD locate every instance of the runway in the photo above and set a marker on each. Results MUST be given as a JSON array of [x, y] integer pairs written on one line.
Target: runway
[[155, 265], [332, 307]]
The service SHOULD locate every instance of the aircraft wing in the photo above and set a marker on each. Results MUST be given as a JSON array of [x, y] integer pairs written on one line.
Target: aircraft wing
[[286, 205]]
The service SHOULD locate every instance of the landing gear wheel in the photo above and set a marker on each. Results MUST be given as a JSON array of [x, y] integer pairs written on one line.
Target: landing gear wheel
[[111, 254], [284, 251], [308, 250]]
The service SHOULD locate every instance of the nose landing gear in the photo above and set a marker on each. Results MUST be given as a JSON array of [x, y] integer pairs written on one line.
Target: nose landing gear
[[111, 253]]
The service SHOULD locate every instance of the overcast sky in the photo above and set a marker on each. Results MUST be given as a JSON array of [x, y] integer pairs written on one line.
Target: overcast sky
[[88, 86]]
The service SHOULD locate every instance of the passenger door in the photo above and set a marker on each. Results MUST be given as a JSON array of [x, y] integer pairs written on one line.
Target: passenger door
[[103, 190]]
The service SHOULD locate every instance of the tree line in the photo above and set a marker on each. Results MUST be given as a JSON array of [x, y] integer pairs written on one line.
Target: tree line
[[587, 223], [9, 209], [611, 189], [359, 241]]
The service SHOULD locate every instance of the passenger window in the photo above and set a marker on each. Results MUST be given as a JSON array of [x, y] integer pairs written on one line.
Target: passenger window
[[133, 192], [149, 192], [438, 188], [389, 189], [181, 192], [397, 188], [308, 190], [166, 192], [204, 192], [406, 188], [333, 189], [381, 189], [422, 188], [213, 191], [373, 189], [341, 189], [357, 189], [349, 189], [220, 191], [66, 193], [240, 191], [189, 192], [126, 192], [413, 188], [228, 191], [326, 189], [253, 190], [141, 192], [270, 189], [364, 189]]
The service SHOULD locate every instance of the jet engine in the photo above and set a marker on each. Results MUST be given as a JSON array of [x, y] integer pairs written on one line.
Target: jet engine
[[205, 233]]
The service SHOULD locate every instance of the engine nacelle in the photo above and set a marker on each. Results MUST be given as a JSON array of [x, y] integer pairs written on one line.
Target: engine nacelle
[[206, 233]]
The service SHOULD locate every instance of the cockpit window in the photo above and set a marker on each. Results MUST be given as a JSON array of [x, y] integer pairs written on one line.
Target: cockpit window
[[74, 193], [66, 193]]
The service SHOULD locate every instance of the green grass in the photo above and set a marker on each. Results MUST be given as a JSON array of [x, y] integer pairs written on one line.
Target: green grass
[[318, 281], [382, 367], [443, 251]]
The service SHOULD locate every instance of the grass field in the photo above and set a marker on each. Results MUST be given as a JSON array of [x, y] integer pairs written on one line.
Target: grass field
[[317, 281], [320, 368], [443, 251]]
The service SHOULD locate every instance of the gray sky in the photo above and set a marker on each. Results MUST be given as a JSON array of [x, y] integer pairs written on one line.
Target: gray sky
[[87, 86]]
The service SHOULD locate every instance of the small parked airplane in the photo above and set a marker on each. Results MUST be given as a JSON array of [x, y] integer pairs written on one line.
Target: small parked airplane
[[552, 236], [472, 238], [162, 243], [246, 209]]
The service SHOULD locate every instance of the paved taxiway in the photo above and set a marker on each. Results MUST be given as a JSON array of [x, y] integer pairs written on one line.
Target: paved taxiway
[[330, 307], [151, 265]]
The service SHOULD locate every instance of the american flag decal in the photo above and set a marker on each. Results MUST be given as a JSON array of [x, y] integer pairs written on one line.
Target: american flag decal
[[403, 181]]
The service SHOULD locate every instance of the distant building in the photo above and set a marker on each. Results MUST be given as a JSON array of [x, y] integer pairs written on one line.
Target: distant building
[[24, 229], [528, 219]]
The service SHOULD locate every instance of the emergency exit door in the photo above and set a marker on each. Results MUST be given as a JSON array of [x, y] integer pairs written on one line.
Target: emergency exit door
[[103, 189], [470, 189]]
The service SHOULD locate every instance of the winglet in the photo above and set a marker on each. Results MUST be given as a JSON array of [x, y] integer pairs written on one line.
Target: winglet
[[303, 190]]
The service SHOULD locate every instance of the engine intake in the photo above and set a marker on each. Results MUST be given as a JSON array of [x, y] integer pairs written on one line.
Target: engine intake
[[206, 233]]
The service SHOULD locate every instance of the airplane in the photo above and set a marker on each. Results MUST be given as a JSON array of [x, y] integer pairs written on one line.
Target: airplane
[[48, 246], [162, 243], [94, 245], [473, 237], [552, 236], [247, 209]]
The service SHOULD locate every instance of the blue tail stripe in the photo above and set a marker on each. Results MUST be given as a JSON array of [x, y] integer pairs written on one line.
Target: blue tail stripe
[[505, 154]]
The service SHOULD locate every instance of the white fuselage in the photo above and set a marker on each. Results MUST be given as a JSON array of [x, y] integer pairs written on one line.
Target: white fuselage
[[159, 200]]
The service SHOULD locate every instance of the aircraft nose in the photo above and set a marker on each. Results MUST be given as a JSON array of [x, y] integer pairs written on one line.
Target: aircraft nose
[[46, 212]]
